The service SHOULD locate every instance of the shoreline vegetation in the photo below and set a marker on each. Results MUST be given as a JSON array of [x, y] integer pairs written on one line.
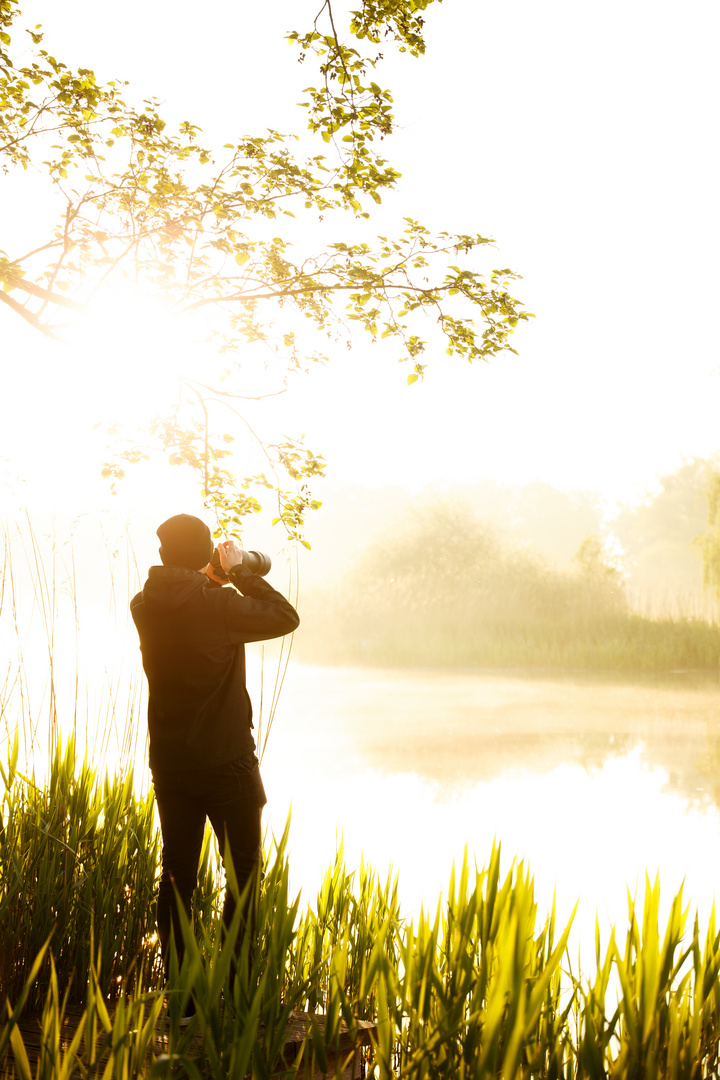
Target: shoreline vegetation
[[450, 591], [626, 643], [483, 986]]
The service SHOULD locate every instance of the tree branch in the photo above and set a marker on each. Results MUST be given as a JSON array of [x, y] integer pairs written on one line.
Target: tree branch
[[29, 316], [48, 296], [222, 394]]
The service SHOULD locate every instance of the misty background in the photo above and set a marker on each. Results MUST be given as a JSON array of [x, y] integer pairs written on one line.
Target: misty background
[[644, 557]]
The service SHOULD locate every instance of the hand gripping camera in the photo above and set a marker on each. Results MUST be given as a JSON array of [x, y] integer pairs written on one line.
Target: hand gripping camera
[[254, 561]]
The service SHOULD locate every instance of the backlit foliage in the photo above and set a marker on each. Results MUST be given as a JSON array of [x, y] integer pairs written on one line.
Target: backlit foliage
[[202, 227]]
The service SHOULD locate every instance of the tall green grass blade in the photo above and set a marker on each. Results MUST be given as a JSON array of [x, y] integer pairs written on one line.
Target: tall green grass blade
[[22, 1063]]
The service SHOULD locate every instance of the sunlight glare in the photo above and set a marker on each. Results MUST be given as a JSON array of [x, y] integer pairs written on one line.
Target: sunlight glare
[[133, 351]]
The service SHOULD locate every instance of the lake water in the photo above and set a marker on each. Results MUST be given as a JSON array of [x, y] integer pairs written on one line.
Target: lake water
[[592, 780]]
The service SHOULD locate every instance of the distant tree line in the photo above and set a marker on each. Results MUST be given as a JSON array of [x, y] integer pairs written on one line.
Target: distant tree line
[[532, 576], [447, 588], [665, 546]]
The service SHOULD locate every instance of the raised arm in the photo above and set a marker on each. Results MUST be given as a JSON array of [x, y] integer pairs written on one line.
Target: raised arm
[[260, 612]]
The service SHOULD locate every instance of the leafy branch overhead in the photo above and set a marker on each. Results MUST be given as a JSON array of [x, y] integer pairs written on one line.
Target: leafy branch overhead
[[198, 226]]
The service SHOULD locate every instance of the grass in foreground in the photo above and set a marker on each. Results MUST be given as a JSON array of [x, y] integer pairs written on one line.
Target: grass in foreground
[[482, 987]]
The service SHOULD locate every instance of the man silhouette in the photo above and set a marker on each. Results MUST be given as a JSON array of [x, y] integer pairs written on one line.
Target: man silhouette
[[202, 753]]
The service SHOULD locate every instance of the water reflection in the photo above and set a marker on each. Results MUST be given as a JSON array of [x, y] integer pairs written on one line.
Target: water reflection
[[591, 782]]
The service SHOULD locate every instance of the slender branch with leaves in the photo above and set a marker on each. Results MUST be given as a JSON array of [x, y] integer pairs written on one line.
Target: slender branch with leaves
[[197, 226]]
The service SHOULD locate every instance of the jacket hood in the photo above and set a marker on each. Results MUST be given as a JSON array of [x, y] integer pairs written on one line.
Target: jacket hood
[[170, 587]]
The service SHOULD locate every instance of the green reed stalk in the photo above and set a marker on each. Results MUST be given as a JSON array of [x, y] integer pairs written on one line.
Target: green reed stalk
[[480, 988], [78, 862]]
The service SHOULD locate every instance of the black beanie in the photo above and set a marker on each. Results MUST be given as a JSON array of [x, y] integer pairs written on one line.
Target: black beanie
[[185, 541]]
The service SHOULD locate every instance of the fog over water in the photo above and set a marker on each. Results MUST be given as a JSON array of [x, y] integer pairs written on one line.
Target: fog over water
[[591, 777]]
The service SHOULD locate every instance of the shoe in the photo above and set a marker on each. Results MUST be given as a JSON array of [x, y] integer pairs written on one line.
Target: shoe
[[189, 1013]]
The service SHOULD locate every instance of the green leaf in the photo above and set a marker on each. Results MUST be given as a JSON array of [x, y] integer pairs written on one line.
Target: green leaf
[[22, 1063]]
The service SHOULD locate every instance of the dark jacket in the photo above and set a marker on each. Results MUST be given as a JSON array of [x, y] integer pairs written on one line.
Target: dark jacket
[[192, 635]]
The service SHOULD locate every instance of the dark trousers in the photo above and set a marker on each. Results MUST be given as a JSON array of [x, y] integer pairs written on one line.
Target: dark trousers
[[232, 797]]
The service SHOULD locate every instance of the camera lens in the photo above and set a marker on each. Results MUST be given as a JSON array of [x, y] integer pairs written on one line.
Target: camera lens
[[257, 562]]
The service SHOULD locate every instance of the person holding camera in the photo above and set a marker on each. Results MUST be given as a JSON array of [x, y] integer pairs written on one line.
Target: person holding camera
[[202, 752]]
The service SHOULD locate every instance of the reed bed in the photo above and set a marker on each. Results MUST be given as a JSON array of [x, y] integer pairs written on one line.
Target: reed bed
[[473, 637], [71, 664], [78, 862], [483, 986]]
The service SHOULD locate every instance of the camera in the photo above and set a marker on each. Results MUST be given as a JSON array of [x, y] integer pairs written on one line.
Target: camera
[[254, 561]]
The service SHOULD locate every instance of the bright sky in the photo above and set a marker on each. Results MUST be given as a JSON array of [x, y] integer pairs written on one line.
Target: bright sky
[[581, 138]]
